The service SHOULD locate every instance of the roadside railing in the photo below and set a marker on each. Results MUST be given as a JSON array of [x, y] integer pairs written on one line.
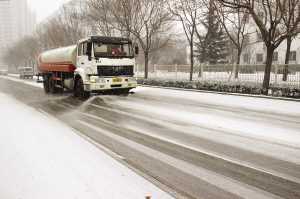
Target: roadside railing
[[225, 73]]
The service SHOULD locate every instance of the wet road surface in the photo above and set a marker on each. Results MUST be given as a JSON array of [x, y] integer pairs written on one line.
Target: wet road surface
[[159, 137]]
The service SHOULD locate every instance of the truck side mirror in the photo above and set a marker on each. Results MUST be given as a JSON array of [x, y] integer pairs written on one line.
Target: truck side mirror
[[136, 50], [89, 50]]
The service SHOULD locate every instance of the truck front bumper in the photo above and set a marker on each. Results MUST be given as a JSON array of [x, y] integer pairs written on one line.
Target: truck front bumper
[[98, 87]]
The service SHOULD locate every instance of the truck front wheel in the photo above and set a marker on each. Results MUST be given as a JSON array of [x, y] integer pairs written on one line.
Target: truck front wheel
[[79, 90]]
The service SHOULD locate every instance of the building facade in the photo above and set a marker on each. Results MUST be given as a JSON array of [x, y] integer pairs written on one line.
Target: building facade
[[255, 51], [16, 22]]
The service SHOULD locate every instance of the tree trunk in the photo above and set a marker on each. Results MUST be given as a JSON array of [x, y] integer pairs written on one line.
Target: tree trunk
[[200, 74], [146, 64], [287, 58], [237, 67], [268, 66], [192, 60]]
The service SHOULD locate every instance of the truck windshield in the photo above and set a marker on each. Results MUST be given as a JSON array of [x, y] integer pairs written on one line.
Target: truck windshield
[[113, 50]]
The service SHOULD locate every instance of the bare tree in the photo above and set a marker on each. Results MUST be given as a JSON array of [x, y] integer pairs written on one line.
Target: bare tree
[[144, 21], [114, 17], [150, 27], [234, 23], [187, 13], [173, 53], [23, 53], [290, 19], [126, 15], [268, 16], [64, 29], [100, 13], [156, 28]]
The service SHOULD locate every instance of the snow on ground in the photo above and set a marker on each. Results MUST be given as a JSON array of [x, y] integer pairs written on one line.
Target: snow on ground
[[224, 118], [270, 130], [42, 158], [250, 103], [270, 140], [15, 78], [218, 122]]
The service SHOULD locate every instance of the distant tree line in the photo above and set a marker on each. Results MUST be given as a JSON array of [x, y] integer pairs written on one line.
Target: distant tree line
[[214, 29]]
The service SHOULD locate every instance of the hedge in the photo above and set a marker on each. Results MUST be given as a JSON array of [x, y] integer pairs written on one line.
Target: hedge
[[229, 87]]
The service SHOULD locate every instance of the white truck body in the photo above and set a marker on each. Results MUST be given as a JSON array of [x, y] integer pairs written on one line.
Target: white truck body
[[101, 63]]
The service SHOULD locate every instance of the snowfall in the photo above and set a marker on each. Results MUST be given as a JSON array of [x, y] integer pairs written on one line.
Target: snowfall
[[40, 157]]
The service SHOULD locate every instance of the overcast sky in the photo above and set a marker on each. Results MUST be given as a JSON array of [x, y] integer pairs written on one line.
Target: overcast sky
[[44, 8]]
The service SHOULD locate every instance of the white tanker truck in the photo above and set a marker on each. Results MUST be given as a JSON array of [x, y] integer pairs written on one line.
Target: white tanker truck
[[96, 64]]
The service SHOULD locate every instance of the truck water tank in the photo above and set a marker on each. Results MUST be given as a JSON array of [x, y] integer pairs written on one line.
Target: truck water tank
[[60, 60]]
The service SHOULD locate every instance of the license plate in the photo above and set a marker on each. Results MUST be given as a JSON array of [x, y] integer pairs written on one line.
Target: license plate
[[115, 80]]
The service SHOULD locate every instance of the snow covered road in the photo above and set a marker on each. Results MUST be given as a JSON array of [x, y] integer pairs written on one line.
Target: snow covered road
[[42, 158], [201, 145]]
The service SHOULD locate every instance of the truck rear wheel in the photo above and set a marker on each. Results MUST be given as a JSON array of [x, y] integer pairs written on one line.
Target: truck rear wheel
[[79, 90], [52, 86], [46, 84]]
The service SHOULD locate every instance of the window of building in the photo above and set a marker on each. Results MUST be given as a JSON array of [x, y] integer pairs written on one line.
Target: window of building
[[246, 58], [259, 58], [293, 56], [275, 56]]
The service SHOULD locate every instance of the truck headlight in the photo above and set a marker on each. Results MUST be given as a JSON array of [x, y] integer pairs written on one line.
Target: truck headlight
[[93, 79]]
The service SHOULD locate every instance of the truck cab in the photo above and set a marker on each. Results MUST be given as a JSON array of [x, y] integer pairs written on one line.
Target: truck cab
[[106, 63]]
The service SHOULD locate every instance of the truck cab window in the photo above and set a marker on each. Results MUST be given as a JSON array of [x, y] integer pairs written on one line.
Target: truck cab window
[[84, 48], [113, 50], [80, 50], [101, 48]]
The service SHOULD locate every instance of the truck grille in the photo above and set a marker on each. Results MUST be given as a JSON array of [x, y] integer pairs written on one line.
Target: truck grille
[[115, 70], [116, 86]]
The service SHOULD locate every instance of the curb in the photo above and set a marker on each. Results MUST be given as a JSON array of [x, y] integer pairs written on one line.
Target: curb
[[225, 93]]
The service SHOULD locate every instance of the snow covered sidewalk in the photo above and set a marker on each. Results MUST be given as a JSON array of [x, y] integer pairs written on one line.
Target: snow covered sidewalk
[[42, 158]]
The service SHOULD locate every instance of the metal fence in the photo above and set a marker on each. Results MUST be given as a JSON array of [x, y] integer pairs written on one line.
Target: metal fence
[[224, 73]]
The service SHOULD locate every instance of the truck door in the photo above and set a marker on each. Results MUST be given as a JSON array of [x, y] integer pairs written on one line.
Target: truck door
[[82, 58]]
